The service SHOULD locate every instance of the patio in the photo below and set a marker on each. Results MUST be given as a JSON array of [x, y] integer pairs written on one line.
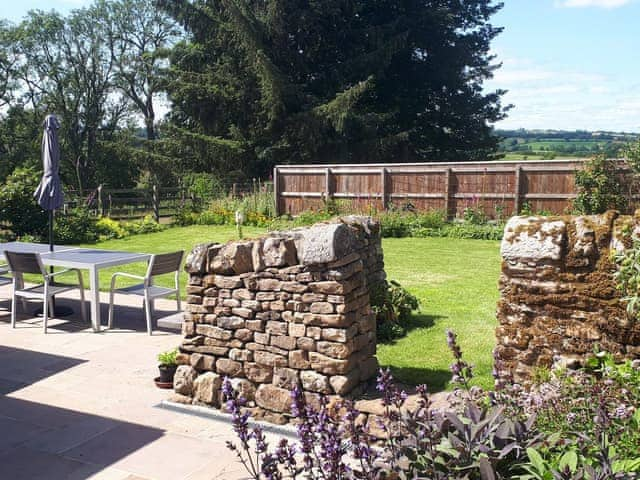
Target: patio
[[80, 405]]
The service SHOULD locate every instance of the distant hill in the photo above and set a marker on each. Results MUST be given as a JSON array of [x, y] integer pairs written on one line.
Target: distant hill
[[552, 144]]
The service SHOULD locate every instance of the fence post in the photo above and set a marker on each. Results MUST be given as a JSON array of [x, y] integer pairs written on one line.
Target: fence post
[[384, 187], [155, 198], [447, 193], [233, 190], [100, 206], [276, 192], [517, 193], [327, 184]]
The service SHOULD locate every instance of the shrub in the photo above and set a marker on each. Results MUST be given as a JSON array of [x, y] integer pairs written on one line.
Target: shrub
[[392, 305], [77, 226], [18, 207], [627, 276], [599, 187], [147, 224], [107, 229]]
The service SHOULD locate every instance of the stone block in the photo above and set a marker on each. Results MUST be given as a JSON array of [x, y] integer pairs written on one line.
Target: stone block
[[203, 362], [283, 341], [277, 328], [206, 388], [231, 323], [335, 350], [244, 334], [214, 332], [274, 398], [240, 355], [226, 281], [533, 239], [322, 307], [343, 384], [197, 259], [233, 258], [297, 330], [269, 359], [330, 366], [339, 334], [315, 382], [325, 243], [183, 380], [299, 359], [285, 378], [258, 373], [243, 294], [226, 366]]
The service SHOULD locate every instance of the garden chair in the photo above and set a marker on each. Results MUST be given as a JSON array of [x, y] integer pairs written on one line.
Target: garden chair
[[158, 265], [4, 280], [30, 263]]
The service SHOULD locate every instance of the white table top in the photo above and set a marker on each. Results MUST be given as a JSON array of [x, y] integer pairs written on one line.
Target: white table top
[[91, 257], [74, 256]]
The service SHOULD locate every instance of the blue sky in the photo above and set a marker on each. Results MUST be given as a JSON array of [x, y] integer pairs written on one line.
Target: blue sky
[[568, 64]]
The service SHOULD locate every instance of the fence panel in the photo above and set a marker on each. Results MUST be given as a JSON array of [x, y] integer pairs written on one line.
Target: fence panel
[[503, 186]]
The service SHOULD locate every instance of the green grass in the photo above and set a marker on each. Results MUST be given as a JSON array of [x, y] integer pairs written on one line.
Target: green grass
[[457, 284], [455, 280]]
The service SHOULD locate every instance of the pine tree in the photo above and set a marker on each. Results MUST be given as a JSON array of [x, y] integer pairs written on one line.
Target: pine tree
[[312, 81]]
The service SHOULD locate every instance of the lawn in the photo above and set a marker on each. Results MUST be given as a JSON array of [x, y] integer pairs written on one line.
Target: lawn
[[455, 280]]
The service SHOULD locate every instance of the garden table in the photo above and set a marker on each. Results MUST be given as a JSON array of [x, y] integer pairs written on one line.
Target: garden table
[[91, 259]]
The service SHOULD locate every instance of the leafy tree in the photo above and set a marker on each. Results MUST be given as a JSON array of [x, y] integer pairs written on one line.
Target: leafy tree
[[18, 207], [600, 187], [66, 68], [261, 83], [141, 36]]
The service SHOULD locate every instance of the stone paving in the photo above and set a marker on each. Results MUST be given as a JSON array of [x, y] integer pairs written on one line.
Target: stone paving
[[79, 405]]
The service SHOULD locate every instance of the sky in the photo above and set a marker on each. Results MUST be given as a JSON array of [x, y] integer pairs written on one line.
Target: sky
[[567, 64]]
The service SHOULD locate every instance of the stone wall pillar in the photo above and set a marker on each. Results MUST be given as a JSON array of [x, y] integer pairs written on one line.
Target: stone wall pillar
[[290, 308], [558, 295]]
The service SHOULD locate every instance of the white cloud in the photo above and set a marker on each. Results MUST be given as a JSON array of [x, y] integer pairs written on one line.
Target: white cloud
[[593, 3], [546, 96]]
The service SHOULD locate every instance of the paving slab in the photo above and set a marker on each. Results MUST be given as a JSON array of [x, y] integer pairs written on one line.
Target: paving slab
[[79, 405]]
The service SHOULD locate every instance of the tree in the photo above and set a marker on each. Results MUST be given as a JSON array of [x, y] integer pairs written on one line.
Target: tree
[[336, 80], [141, 36]]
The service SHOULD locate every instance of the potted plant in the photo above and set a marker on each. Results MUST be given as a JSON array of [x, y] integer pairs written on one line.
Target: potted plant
[[167, 368]]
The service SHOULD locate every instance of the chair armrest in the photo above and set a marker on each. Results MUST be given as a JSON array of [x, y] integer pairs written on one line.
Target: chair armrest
[[66, 270], [128, 275]]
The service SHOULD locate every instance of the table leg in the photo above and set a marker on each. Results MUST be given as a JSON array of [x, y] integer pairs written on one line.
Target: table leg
[[94, 297]]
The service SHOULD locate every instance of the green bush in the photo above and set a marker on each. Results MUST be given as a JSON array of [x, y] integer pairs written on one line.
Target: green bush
[[77, 226], [599, 187], [147, 225], [18, 207], [393, 305], [107, 229]]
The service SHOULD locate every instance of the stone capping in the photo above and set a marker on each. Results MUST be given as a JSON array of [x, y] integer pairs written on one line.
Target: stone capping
[[289, 308], [558, 297]]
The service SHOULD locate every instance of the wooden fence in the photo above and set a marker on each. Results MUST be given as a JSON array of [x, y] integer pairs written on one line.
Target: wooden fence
[[503, 187], [160, 202]]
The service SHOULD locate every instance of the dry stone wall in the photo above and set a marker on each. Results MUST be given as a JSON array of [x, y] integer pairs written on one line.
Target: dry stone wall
[[277, 311], [558, 294]]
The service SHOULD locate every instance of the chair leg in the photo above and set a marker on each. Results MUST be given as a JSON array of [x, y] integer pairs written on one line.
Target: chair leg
[[14, 307], [110, 321], [147, 311], [45, 311], [83, 307], [111, 295]]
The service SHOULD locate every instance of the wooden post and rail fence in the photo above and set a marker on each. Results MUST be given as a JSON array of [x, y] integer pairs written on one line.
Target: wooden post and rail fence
[[499, 188]]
